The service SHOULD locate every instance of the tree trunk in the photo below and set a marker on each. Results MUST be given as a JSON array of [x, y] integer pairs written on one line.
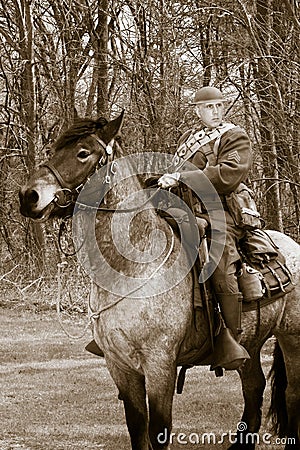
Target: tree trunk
[[101, 58], [28, 106], [268, 106]]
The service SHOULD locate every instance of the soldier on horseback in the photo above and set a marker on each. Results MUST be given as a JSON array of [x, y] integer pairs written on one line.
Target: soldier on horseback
[[145, 338], [222, 152]]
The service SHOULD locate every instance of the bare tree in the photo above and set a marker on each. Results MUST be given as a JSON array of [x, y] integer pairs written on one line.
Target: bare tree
[[60, 59]]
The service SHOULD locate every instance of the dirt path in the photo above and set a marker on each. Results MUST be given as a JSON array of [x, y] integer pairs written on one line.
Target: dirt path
[[54, 395]]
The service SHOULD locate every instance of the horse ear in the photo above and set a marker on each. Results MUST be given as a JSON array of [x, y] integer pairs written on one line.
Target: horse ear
[[112, 128]]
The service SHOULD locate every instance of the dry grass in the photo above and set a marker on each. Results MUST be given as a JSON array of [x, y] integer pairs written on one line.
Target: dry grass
[[56, 396]]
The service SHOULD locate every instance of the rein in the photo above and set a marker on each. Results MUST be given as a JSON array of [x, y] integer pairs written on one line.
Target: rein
[[59, 312], [83, 206], [70, 195], [94, 315]]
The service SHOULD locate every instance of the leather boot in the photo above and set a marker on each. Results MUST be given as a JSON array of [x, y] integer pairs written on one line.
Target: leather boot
[[228, 353], [229, 304], [92, 347]]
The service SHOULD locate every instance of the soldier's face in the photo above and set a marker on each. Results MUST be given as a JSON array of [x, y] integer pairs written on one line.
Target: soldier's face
[[211, 114]]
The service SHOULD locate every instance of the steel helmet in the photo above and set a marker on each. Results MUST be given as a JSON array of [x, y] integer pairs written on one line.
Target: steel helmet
[[208, 94]]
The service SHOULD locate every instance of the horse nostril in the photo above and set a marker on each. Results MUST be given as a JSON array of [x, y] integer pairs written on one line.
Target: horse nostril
[[31, 196]]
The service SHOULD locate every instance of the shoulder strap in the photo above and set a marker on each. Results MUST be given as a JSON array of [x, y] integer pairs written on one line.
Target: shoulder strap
[[197, 140], [216, 146], [210, 153]]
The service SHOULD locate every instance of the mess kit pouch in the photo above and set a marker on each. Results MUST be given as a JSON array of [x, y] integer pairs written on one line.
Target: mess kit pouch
[[242, 208], [262, 254]]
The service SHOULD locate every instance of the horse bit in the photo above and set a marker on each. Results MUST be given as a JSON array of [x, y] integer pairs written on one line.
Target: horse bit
[[71, 193]]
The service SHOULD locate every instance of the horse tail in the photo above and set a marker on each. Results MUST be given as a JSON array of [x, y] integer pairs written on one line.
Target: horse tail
[[278, 409]]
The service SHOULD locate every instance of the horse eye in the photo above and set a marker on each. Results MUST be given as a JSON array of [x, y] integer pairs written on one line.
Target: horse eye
[[83, 154]]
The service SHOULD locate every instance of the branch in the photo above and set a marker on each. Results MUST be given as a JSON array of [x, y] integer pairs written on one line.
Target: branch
[[278, 180], [7, 273], [292, 13], [260, 51]]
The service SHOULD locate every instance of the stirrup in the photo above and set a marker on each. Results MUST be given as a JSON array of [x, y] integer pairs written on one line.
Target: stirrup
[[228, 353], [93, 348]]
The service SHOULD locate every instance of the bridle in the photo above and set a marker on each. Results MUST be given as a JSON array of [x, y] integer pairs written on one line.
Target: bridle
[[70, 194], [67, 195]]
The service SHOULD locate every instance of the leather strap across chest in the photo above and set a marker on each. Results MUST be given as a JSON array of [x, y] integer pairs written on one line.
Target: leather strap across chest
[[197, 140]]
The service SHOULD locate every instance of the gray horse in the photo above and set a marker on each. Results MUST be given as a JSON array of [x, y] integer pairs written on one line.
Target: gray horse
[[145, 327]]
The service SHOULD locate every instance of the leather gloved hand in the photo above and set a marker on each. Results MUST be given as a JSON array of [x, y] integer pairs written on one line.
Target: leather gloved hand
[[169, 180]]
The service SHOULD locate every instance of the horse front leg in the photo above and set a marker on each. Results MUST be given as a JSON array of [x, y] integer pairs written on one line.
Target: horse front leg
[[253, 384], [160, 385], [132, 391], [136, 415]]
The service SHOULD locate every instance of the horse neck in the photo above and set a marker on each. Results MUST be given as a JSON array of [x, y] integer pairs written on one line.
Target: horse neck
[[133, 249], [121, 183], [128, 231]]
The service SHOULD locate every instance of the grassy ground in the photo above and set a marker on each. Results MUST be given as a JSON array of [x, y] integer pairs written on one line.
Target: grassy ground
[[54, 395]]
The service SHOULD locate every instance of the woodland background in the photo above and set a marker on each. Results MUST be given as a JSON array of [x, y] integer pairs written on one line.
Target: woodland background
[[59, 58]]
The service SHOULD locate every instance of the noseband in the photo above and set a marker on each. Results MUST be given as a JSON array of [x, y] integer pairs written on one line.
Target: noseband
[[65, 196]]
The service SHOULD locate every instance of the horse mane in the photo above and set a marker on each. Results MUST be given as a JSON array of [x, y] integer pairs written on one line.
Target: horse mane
[[80, 129]]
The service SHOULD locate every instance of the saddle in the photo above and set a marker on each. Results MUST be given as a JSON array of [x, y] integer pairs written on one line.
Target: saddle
[[263, 276]]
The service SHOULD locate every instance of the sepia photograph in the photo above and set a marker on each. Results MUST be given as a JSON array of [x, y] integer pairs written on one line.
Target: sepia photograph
[[150, 225]]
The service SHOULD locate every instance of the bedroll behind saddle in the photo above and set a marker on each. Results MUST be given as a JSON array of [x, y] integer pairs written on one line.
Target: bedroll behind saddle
[[263, 274]]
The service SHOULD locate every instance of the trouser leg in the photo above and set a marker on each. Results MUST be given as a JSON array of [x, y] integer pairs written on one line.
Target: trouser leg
[[228, 353], [227, 295], [229, 305]]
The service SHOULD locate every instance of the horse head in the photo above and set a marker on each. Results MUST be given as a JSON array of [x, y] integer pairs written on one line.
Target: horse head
[[52, 190]]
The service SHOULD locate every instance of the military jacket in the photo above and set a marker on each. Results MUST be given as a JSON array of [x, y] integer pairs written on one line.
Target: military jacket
[[225, 167]]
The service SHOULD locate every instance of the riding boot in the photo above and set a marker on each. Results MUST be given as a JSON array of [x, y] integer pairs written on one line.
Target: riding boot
[[228, 353], [92, 347]]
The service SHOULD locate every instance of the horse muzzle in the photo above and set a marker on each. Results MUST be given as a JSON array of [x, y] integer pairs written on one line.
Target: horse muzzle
[[30, 205], [59, 204]]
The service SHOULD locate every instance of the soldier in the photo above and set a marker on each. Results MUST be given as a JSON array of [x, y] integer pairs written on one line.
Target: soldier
[[221, 152]]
